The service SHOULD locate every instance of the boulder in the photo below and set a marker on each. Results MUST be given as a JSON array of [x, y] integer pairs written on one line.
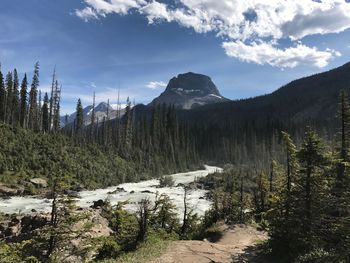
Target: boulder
[[97, 204], [39, 182], [118, 190], [72, 193], [30, 223], [7, 191]]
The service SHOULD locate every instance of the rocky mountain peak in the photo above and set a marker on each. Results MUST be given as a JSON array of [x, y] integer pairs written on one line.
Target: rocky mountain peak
[[190, 90]]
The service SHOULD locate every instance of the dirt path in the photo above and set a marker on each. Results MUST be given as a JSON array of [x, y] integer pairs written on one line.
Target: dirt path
[[230, 244]]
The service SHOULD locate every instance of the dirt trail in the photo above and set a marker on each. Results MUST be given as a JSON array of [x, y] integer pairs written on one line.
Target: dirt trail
[[230, 244]]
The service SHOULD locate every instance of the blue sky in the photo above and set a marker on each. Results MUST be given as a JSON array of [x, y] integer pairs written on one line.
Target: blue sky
[[138, 45]]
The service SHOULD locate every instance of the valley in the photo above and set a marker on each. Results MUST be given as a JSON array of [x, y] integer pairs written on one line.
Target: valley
[[139, 174]]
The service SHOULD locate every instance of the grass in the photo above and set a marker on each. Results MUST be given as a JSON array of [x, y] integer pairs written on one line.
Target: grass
[[152, 248]]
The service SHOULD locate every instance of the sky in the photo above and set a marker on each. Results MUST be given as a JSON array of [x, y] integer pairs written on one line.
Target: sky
[[247, 47]]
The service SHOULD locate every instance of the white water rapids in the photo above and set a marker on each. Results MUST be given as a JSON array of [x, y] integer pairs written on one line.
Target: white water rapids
[[133, 193]]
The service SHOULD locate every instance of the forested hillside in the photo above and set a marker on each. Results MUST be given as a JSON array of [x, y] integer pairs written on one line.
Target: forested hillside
[[248, 131], [101, 154]]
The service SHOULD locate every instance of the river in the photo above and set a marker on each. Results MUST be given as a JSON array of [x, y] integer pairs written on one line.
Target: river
[[133, 193]]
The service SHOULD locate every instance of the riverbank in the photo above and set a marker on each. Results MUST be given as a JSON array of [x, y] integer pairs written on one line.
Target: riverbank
[[131, 192]]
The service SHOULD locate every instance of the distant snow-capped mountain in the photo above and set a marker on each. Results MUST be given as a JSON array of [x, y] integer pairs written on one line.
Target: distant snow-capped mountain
[[100, 113]]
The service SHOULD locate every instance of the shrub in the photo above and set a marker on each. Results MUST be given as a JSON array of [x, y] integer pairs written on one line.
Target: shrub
[[109, 249], [166, 181]]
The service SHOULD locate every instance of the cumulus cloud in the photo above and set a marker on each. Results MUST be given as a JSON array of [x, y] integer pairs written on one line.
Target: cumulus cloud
[[156, 85], [105, 7], [245, 23], [266, 53]]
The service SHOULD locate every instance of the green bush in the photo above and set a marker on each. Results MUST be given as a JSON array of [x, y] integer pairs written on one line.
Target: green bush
[[166, 181], [109, 249]]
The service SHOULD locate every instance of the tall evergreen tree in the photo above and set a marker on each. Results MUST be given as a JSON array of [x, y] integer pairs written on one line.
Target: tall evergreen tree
[[283, 227], [2, 98], [79, 120], [312, 188], [92, 125], [45, 114], [9, 97], [23, 102], [15, 99], [57, 118], [339, 210], [33, 103], [52, 95]]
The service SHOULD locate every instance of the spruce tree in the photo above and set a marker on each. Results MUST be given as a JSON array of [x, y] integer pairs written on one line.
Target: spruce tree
[[283, 227], [15, 98], [312, 188], [9, 97], [52, 95], [33, 103], [92, 125], [2, 98], [23, 102], [57, 118], [45, 114], [339, 208], [79, 120]]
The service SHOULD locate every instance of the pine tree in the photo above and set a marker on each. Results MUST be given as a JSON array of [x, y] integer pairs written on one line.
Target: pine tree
[[79, 120], [312, 191], [57, 118], [9, 97], [344, 117], [33, 104], [2, 98], [45, 114], [128, 127], [283, 229], [52, 95], [339, 208], [15, 98], [164, 214], [92, 125], [292, 171], [55, 114], [23, 102]]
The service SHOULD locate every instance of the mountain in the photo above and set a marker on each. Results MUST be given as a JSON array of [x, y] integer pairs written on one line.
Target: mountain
[[100, 113], [307, 100], [188, 91]]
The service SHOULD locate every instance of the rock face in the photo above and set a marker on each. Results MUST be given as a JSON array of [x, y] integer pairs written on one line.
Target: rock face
[[190, 90]]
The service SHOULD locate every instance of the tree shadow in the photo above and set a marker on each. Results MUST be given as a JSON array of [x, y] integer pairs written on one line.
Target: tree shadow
[[253, 254], [214, 237]]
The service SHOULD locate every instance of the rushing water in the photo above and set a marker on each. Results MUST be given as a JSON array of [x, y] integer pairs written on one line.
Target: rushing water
[[133, 193]]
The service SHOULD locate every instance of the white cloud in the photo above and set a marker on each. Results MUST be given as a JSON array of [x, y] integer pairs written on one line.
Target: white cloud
[[242, 22], [102, 8], [334, 19], [86, 14], [156, 85], [265, 53]]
